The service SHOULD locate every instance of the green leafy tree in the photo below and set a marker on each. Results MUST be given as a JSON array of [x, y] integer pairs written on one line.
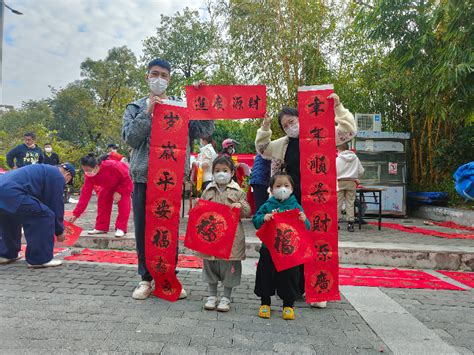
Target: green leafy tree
[[188, 43], [113, 82], [428, 59]]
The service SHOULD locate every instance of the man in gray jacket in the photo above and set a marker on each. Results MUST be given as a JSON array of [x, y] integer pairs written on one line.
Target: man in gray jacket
[[136, 131]]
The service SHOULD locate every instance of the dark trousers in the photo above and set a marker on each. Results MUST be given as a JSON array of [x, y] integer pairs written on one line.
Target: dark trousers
[[268, 279], [138, 205], [260, 195], [139, 212], [38, 222]]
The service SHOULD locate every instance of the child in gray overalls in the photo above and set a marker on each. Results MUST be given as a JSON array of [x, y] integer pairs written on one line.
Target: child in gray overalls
[[226, 191]]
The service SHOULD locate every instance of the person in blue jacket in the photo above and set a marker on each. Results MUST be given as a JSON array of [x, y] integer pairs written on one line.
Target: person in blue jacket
[[268, 279], [32, 198], [25, 154], [259, 180]]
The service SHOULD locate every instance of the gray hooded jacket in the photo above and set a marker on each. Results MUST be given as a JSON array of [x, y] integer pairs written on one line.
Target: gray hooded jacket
[[136, 132]]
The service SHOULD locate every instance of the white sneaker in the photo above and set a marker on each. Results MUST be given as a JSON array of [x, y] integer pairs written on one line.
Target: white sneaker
[[95, 231], [224, 305], [183, 294], [319, 304], [51, 263], [143, 291], [7, 261], [120, 233], [211, 303]]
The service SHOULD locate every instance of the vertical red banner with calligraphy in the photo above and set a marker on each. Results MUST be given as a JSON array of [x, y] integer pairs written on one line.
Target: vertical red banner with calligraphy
[[169, 137], [226, 101], [318, 189]]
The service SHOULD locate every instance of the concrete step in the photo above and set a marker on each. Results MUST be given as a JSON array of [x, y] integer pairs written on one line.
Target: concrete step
[[359, 253]]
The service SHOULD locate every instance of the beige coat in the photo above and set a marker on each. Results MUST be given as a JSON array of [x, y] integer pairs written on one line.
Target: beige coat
[[232, 194], [275, 150]]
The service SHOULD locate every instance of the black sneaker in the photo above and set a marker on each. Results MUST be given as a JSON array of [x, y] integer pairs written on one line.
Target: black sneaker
[[350, 226]]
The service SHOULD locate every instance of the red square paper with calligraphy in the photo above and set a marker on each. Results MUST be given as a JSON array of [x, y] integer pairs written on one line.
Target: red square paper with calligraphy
[[287, 240], [72, 234], [226, 101], [211, 229]]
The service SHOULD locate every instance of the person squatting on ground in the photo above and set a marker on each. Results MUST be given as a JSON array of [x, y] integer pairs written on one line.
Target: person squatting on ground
[[268, 279], [285, 151], [32, 198], [349, 171], [226, 191], [115, 185], [136, 132], [25, 154]]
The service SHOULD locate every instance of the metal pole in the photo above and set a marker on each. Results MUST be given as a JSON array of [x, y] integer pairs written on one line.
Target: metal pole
[[2, 10]]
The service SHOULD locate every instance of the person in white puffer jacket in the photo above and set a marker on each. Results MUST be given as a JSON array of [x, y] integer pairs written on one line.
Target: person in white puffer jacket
[[349, 171]]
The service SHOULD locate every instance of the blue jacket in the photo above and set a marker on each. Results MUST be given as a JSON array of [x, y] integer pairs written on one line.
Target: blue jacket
[[24, 156], [260, 171], [464, 181], [42, 182], [273, 204]]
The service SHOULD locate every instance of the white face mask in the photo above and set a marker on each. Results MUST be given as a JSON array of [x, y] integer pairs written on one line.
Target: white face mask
[[157, 85], [48, 150], [293, 131], [222, 178], [282, 193]]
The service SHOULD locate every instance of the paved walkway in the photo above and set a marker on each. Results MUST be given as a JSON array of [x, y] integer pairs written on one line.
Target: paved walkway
[[87, 308]]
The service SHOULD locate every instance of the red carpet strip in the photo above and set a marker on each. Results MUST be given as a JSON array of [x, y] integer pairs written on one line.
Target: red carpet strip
[[393, 278], [127, 258], [453, 225], [466, 278], [424, 231]]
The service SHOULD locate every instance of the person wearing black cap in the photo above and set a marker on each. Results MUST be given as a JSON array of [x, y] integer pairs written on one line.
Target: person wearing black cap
[[32, 198]]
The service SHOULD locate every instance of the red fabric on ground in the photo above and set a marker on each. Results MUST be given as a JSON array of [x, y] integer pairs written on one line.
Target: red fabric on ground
[[189, 261], [128, 258], [393, 278], [466, 278], [452, 225], [424, 231]]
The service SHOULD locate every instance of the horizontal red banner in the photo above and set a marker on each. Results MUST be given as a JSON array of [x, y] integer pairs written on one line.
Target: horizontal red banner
[[226, 101]]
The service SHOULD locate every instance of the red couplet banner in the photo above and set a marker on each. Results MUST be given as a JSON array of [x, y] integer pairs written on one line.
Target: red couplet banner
[[211, 229], [287, 239], [226, 101], [169, 137], [318, 189]]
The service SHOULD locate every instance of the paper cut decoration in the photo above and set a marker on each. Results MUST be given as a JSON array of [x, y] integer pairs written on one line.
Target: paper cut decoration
[[211, 229], [287, 239]]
